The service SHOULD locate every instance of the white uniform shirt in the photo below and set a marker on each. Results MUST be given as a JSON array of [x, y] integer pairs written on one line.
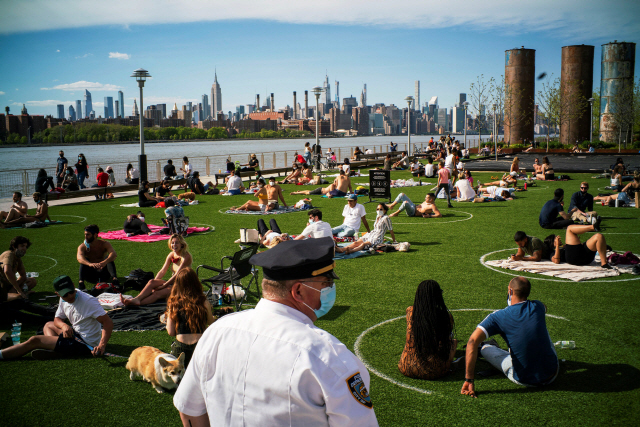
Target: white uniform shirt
[[271, 366], [234, 182], [317, 229], [353, 216], [82, 315]]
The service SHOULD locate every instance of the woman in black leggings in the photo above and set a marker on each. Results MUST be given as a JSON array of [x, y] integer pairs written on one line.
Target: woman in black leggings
[[135, 226], [144, 199]]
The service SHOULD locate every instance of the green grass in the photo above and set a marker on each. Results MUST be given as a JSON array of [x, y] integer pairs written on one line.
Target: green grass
[[598, 382]]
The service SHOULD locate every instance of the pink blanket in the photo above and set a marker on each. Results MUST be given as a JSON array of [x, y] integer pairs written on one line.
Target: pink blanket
[[121, 235]]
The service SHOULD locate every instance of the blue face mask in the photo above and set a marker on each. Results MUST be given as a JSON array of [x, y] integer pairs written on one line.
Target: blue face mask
[[311, 221], [327, 300]]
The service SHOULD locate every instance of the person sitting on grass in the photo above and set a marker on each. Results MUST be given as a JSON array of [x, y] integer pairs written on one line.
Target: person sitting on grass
[[178, 259], [17, 210], [294, 176], [273, 237], [195, 184], [14, 282], [96, 258], [531, 359], [464, 190], [534, 248], [430, 170], [145, 200], [426, 209], [188, 314], [381, 225], [234, 184], [42, 214], [306, 175], [549, 218], [581, 206], [135, 225], [70, 182], [386, 165], [574, 251], [403, 163], [338, 188], [90, 326], [316, 227], [546, 173], [267, 195], [627, 194], [163, 189], [353, 213], [430, 346], [417, 169]]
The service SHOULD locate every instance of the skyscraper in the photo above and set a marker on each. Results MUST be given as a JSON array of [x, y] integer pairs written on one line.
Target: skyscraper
[[326, 99], [365, 94], [416, 98], [88, 105], [134, 110], [458, 120], [443, 118], [108, 105], [120, 112], [163, 110], [60, 111], [189, 106], [337, 92], [205, 107], [117, 108], [79, 114], [463, 99], [216, 97], [72, 113]]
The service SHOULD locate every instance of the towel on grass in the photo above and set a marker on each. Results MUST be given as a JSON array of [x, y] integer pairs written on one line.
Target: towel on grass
[[575, 273], [351, 255], [342, 197], [110, 301], [139, 318], [280, 210], [130, 205], [121, 235]]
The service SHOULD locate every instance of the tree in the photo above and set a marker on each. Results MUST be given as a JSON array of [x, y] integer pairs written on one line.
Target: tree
[[506, 98], [478, 98], [623, 110], [595, 111]]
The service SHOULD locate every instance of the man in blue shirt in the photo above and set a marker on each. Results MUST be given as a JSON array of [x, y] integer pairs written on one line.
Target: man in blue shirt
[[549, 214], [61, 167], [531, 359], [581, 206]]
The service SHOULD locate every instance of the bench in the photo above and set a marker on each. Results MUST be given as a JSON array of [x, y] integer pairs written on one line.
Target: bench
[[103, 191]]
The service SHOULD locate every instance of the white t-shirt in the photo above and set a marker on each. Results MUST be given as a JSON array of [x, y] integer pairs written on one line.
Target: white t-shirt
[[448, 163], [82, 315], [317, 230], [135, 173], [466, 191], [234, 182], [270, 366], [428, 170], [187, 169], [346, 169], [493, 190], [353, 216]]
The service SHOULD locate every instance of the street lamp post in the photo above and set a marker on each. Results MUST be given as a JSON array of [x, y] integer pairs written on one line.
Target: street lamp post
[[409, 100], [591, 122], [466, 105], [141, 76], [495, 132], [317, 91]]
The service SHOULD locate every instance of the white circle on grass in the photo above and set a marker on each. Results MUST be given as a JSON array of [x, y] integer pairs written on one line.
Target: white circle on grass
[[358, 343], [537, 276], [427, 221], [55, 261], [74, 216]]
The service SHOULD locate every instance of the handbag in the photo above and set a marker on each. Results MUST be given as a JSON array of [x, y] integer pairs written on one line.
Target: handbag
[[248, 235]]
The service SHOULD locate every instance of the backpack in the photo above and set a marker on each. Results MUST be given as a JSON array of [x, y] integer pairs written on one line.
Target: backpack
[[137, 279]]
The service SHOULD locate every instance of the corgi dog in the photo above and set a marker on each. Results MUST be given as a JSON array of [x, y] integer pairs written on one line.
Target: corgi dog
[[162, 370]]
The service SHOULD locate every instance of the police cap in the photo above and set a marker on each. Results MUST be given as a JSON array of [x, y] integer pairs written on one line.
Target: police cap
[[298, 259]]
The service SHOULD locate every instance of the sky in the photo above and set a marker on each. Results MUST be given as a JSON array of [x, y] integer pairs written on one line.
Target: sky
[[51, 51]]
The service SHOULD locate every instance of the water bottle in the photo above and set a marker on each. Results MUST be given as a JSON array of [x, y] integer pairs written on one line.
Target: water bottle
[[33, 274], [571, 345], [16, 330], [616, 203]]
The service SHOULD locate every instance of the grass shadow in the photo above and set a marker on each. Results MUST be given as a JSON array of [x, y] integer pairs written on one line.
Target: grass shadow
[[336, 311]]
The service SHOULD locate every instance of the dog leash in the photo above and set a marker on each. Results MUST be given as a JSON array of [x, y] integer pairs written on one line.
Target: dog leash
[[81, 341]]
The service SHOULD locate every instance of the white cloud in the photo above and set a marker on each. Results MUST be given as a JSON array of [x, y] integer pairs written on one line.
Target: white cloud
[[86, 55], [610, 19], [58, 50], [118, 55], [2, 93], [81, 85]]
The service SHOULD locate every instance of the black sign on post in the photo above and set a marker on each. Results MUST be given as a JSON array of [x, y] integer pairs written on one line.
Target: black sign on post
[[380, 185]]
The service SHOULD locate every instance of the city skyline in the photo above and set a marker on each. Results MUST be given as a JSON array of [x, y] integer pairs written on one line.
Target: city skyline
[[64, 61]]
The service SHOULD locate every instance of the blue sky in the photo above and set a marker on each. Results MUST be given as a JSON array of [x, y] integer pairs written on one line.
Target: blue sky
[[52, 50]]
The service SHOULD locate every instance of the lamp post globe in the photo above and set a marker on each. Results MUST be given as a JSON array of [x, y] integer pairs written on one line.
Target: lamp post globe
[[409, 100], [141, 76]]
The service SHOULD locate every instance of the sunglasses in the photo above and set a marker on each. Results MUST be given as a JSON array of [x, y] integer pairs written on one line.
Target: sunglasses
[[584, 188]]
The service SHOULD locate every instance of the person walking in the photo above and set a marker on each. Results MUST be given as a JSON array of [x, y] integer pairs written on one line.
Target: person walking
[[82, 169]]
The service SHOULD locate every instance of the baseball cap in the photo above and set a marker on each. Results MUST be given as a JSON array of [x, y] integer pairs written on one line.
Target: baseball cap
[[63, 285], [352, 196]]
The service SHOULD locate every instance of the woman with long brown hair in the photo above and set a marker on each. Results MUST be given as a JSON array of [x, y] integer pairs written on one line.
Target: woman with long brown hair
[[430, 346], [188, 313]]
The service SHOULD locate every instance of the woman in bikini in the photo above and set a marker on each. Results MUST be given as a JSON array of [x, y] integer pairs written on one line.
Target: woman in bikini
[[158, 288], [547, 171]]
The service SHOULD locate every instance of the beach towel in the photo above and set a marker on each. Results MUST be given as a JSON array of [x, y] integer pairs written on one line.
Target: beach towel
[[280, 210], [351, 255], [139, 318], [46, 222], [110, 301], [563, 271], [130, 205], [121, 235]]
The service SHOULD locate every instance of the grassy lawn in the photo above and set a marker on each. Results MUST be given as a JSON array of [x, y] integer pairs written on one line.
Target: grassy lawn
[[599, 381]]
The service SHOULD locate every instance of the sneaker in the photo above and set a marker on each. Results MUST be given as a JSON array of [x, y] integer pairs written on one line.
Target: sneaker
[[41, 354], [607, 266], [81, 286], [489, 342], [596, 224]]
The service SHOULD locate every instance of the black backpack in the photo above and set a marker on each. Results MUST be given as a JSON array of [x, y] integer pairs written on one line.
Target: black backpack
[[137, 279]]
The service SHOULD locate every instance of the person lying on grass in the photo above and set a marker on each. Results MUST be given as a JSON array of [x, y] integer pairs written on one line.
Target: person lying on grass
[[574, 251], [505, 181], [494, 191], [531, 359], [627, 194], [273, 237], [375, 237], [430, 346], [90, 324], [426, 209], [42, 214], [534, 248], [338, 188], [178, 259], [96, 258]]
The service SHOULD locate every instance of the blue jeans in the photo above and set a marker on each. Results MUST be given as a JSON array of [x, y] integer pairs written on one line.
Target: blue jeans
[[234, 192], [81, 177], [501, 360], [343, 231], [407, 204]]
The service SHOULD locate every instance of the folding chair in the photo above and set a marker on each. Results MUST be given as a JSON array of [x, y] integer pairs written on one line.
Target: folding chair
[[238, 269], [177, 225]]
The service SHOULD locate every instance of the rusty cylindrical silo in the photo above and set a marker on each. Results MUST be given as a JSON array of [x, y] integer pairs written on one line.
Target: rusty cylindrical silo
[[519, 76], [273, 107], [618, 64], [258, 107], [576, 87]]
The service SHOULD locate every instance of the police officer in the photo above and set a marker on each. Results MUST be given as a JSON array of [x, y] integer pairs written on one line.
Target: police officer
[[271, 365]]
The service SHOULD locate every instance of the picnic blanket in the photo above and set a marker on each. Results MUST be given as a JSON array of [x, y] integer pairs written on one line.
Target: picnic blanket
[[139, 318], [351, 255], [110, 301], [564, 271], [342, 197], [121, 235], [280, 210], [46, 221]]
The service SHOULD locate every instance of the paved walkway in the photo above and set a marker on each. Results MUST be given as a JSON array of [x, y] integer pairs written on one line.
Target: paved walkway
[[578, 163]]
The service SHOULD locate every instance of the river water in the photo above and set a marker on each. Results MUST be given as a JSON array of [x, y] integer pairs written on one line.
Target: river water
[[36, 156]]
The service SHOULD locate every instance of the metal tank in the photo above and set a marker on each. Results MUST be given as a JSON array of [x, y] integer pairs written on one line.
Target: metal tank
[[576, 83], [519, 76], [617, 73]]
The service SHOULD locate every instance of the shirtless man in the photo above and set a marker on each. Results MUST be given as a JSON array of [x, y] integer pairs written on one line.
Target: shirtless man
[[505, 181], [17, 210], [426, 209], [293, 177], [267, 195], [42, 214], [96, 258], [338, 189]]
